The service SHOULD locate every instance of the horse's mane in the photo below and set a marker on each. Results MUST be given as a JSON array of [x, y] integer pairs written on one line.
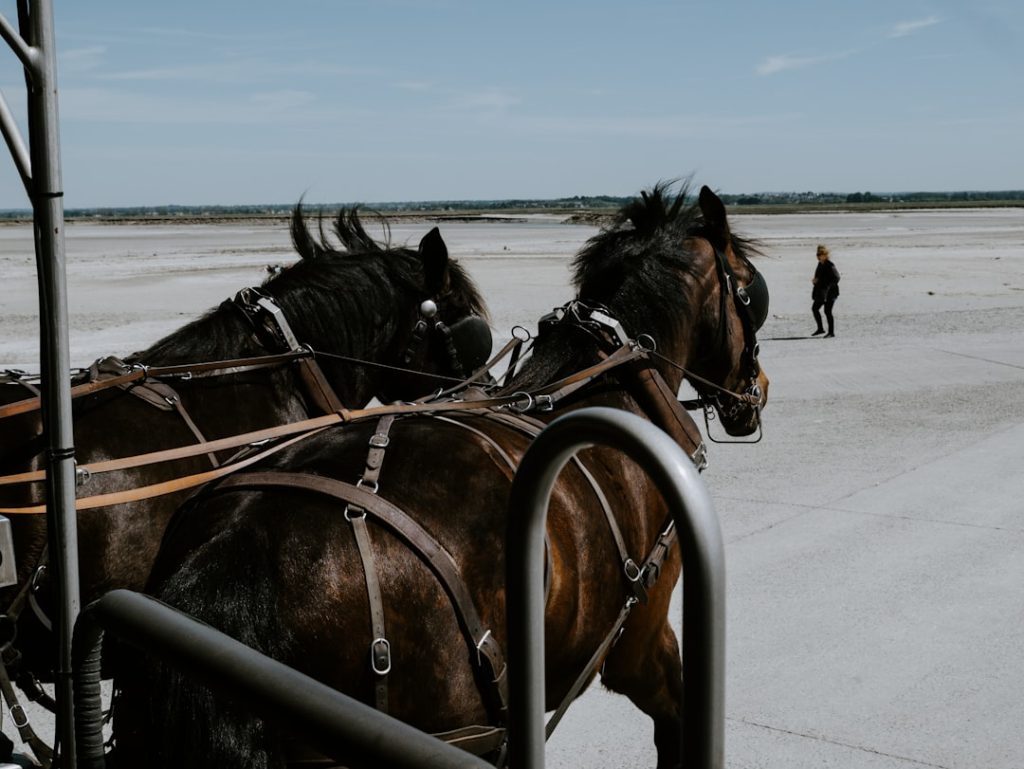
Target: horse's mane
[[343, 291], [632, 268]]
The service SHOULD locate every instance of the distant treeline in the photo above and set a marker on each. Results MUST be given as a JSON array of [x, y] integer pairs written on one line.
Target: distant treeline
[[598, 204]]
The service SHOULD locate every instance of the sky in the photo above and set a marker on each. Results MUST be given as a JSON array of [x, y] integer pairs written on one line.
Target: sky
[[224, 102]]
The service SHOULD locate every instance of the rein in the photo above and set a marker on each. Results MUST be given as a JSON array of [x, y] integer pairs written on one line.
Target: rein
[[137, 372]]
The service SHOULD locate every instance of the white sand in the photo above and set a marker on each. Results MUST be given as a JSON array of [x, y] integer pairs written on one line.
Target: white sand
[[873, 538]]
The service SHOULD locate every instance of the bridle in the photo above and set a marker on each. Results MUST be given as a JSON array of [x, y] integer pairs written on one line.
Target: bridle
[[750, 302], [467, 342]]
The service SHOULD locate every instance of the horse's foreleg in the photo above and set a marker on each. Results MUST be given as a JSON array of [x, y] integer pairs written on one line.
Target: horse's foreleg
[[645, 667]]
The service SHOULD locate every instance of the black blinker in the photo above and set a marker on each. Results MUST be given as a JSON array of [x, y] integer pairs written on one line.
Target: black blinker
[[472, 339]]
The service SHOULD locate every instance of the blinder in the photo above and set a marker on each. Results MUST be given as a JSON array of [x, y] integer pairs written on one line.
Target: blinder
[[754, 296], [472, 339]]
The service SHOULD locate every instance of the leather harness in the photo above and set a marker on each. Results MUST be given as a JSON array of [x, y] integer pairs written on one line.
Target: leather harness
[[361, 500]]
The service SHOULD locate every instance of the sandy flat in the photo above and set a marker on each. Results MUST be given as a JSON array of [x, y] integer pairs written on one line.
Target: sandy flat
[[874, 537]]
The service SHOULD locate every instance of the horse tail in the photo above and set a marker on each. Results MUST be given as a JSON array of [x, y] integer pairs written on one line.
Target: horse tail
[[165, 718]]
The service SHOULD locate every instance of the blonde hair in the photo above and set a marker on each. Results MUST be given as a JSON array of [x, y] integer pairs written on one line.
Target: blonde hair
[[823, 249]]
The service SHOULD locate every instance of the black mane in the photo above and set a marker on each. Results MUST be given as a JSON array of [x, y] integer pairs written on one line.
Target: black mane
[[345, 292]]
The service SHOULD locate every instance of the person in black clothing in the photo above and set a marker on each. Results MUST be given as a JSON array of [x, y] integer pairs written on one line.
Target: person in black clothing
[[825, 291]]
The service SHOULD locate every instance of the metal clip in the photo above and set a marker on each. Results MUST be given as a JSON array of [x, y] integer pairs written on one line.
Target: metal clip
[[610, 323], [379, 441]]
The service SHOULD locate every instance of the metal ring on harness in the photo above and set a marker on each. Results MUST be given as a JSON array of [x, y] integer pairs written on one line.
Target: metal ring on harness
[[362, 483], [523, 402], [646, 343], [632, 570]]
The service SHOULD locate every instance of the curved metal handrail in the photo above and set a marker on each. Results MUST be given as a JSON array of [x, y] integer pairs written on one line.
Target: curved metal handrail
[[703, 639]]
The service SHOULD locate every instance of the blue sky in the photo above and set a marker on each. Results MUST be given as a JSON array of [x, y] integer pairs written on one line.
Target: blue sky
[[220, 102]]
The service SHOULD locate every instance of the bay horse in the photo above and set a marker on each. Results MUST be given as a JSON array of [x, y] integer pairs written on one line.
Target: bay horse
[[371, 557], [380, 321]]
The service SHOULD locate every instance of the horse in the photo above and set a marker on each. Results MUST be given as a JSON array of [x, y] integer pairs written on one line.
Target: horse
[[371, 557], [350, 320]]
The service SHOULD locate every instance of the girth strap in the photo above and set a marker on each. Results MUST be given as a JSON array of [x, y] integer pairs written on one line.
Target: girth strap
[[485, 649]]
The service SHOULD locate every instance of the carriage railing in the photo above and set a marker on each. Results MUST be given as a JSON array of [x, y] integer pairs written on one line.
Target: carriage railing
[[34, 44], [703, 628], [348, 730]]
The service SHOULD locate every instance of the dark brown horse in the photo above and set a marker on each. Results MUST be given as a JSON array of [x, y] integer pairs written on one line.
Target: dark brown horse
[[375, 315], [289, 558]]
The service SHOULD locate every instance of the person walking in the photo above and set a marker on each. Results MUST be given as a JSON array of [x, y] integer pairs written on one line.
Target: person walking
[[825, 291]]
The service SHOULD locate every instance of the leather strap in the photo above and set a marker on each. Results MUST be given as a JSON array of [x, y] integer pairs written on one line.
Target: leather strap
[[167, 487], [136, 373], [319, 389], [380, 647], [19, 718]]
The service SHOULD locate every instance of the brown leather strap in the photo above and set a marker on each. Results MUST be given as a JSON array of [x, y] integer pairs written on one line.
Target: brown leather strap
[[167, 487], [180, 408], [233, 366], [512, 344], [380, 647], [183, 452], [42, 751], [490, 660], [592, 664], [662, 407], [320, 391]]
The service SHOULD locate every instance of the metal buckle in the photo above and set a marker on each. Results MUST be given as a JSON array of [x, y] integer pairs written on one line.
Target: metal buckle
[[380, 656], [379, 441], [545, 403], [18, 716], [353, 511], [631, 570]]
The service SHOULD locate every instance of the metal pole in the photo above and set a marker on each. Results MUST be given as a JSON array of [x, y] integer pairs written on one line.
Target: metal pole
[[342, 727], [703, 634], [46, 193]]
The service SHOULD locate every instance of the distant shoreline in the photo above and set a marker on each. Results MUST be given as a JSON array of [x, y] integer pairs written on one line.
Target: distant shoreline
[[506, 215]]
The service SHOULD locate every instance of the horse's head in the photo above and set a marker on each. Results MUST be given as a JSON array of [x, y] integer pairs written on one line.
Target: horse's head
[[674, 272], [726, 370], [412, 315], [448, 335]]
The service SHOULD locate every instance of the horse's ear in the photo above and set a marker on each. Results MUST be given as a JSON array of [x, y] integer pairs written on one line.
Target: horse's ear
[[434, 254], [713, 209]]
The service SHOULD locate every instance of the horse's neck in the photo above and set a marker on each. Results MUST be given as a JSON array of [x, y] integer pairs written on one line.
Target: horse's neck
[[221, 334]]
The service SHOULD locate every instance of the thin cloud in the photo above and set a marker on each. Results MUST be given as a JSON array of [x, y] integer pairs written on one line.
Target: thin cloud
[[784, 62], [83, 59], [906, 28]]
